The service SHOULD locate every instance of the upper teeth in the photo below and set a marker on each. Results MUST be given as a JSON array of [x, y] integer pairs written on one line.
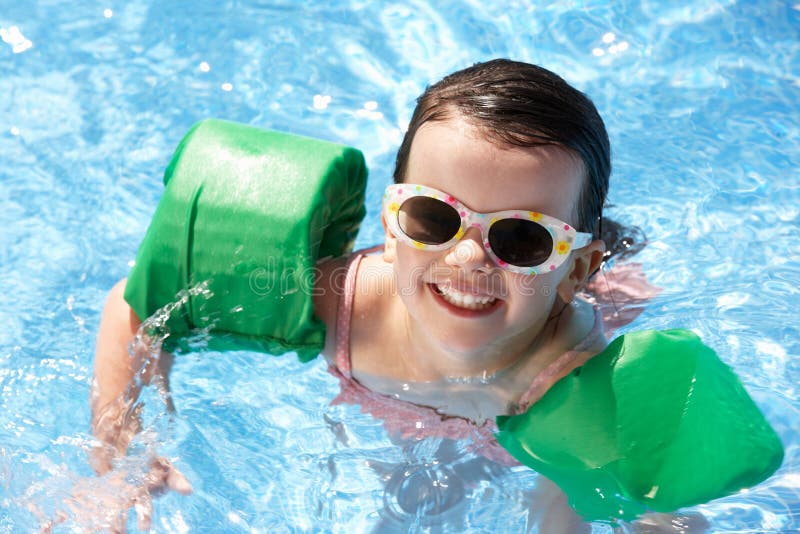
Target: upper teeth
[[465, 300]]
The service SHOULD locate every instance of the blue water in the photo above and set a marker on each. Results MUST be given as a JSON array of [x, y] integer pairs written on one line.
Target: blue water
[[701, 100]]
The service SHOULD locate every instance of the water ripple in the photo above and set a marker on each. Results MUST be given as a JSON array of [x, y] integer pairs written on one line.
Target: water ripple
[[701, 105]]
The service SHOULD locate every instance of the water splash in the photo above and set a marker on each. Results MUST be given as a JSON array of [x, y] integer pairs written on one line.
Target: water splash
[[129, 432]]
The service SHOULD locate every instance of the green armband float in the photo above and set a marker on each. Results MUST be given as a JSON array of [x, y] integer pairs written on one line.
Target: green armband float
[[654, 422], [250, 211]]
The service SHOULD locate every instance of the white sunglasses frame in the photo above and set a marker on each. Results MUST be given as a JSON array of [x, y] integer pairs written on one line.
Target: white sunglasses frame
[[565, 237]]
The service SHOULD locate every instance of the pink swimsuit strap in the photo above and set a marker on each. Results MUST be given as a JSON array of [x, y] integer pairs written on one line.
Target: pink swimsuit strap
[[554, 372]]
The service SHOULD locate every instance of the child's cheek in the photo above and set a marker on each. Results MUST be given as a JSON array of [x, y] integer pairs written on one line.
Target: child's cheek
[[410, 266], [534, 293]]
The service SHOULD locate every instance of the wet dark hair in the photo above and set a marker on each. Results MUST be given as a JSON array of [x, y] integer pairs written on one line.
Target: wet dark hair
[[522, 105]]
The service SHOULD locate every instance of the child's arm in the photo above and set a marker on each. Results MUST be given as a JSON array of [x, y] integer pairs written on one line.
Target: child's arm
[[120, 370], [654, 423], [115, 368]]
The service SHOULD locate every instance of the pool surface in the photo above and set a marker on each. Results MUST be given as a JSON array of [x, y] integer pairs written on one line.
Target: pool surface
[[702, 102]]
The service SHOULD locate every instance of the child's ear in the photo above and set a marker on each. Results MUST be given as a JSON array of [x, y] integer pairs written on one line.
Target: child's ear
[[390, 244], [585, 261]]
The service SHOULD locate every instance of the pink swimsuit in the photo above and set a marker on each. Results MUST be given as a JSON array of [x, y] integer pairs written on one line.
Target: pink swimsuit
[[413, 421]]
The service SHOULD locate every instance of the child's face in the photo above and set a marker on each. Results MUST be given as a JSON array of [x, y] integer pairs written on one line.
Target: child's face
[[455, 157]]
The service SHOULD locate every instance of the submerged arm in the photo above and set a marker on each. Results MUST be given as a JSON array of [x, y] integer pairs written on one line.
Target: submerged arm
[[116, 383], [123, 365], [125, 361]]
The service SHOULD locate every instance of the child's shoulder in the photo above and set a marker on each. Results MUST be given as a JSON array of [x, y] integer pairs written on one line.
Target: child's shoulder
[[354, 293], [375, 313]]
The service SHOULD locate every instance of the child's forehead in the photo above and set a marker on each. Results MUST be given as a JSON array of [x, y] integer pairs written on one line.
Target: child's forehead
[[455, 157]]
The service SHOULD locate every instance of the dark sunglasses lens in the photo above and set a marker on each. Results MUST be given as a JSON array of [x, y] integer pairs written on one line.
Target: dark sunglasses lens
[[428, 220], [520, 242]]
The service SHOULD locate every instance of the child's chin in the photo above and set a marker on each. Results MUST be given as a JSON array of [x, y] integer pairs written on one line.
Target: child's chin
[[471, 343]]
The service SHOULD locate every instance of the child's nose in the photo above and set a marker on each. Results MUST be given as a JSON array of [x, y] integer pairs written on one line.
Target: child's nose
[[469, 253]]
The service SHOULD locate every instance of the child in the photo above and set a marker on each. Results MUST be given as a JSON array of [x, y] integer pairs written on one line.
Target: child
[[472, 307], [462, 325]]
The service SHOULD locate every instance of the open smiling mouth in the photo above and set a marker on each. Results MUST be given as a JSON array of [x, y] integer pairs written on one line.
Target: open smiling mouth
[[464, 303]]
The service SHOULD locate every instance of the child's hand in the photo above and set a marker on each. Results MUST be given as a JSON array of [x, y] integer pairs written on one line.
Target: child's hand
[[103, 503], [115, 425], [163, 476]]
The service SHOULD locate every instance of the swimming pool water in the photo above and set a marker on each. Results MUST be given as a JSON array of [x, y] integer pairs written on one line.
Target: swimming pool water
[[701, 100]]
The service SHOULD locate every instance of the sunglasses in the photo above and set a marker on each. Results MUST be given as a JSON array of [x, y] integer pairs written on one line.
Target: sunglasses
[[519, 241]]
